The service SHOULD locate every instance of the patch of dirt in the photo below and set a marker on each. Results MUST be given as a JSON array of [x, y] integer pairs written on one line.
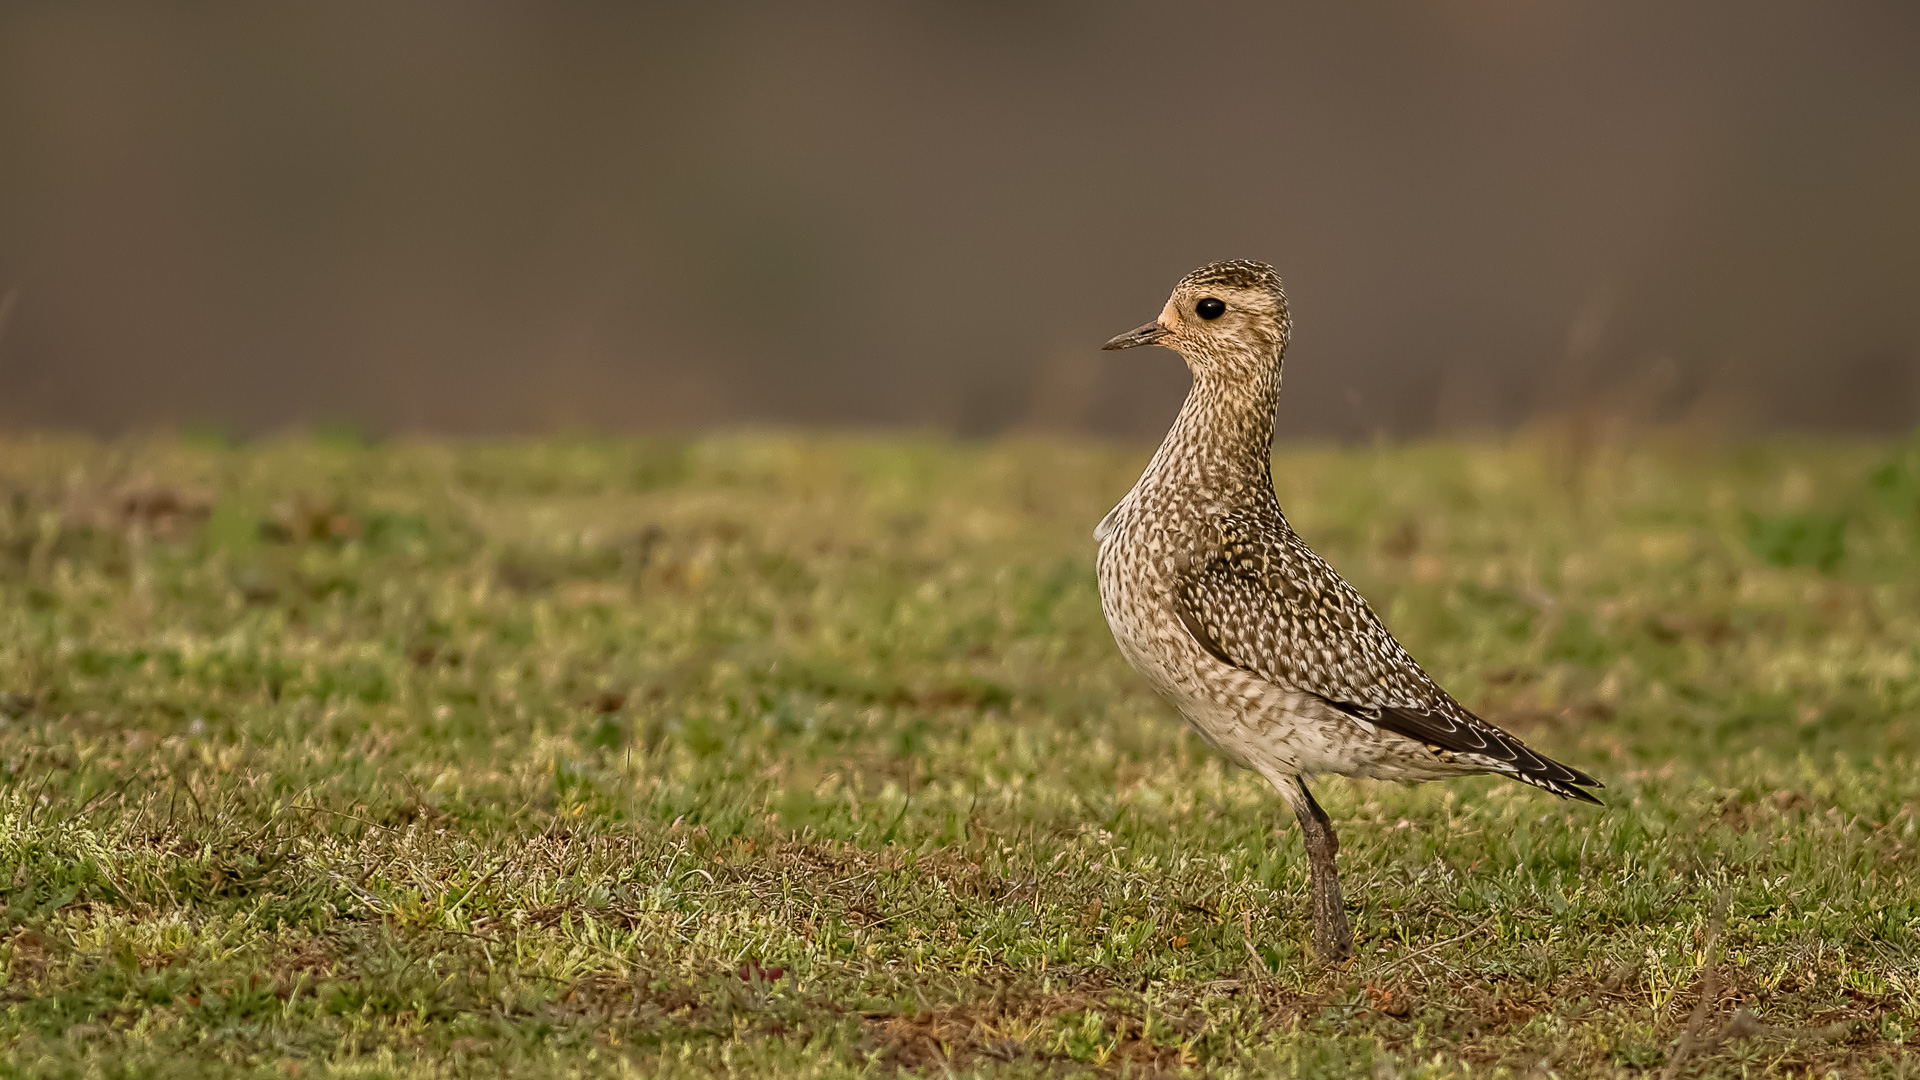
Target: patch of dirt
[[1002, 1028], [1671, 627], [313, 957], [32, 955], [606, 997], [305, 519], [165, 511], [1741, 816]]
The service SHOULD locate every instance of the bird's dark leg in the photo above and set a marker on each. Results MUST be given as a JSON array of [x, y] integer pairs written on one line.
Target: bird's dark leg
[[1332, 934]]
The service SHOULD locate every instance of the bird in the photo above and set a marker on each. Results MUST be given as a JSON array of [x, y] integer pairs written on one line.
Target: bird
[[1269, 654]]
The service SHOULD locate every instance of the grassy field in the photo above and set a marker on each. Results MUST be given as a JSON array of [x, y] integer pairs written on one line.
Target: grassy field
[[798, 755]]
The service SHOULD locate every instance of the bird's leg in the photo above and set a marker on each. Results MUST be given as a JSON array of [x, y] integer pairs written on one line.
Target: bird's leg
[[1332, 934]]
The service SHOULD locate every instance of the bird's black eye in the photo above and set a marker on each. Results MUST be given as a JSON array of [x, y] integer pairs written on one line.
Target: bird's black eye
[[1210, 308]]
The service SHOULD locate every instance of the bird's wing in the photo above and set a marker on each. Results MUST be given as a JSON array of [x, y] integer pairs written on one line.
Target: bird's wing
[[1256, 597]]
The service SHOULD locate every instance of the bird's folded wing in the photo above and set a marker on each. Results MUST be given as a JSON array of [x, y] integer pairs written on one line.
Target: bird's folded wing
[[1256, 597]]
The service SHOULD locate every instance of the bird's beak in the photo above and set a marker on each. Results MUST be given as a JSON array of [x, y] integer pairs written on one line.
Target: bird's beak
[[1150, 334]]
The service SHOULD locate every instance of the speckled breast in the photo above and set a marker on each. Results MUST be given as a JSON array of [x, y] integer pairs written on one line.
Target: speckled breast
[[1133, 596]]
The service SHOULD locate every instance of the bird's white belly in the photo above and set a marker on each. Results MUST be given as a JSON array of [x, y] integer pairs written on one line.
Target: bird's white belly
[[1240, 714], [1255, 723]]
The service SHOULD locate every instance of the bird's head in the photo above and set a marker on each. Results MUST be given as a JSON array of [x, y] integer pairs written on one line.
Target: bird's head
[[1226, 319]]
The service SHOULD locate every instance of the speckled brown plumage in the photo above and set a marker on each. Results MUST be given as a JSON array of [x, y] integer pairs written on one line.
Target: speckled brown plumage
[[1267, 651]]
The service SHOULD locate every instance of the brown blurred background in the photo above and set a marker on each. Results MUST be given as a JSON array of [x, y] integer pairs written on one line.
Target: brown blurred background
[[494, 217]]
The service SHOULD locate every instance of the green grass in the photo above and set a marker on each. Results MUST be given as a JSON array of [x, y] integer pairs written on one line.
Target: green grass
[[813, 756]]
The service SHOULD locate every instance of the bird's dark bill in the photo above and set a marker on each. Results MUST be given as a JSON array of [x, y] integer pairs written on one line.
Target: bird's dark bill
[[1149, 334]]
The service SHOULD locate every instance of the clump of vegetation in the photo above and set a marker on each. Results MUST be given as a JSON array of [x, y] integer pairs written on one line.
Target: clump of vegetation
[[810, 755]]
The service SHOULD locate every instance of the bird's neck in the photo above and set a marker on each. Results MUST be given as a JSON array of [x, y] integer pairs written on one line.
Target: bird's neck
[[1223, 436]]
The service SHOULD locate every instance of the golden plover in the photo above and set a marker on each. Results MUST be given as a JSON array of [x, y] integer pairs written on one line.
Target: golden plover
[[1270, 654]]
